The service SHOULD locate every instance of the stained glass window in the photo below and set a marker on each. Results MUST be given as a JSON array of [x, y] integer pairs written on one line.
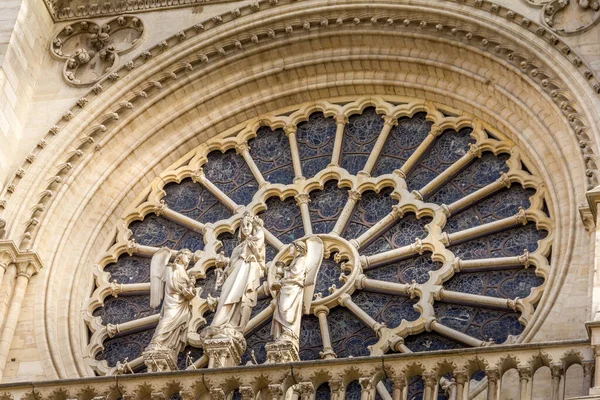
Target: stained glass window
[[431, 242]]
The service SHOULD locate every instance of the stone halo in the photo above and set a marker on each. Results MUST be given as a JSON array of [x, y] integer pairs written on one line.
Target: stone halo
[[347, 259]]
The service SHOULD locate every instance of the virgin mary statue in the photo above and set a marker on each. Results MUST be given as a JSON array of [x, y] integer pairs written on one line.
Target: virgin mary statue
[[245, 268]]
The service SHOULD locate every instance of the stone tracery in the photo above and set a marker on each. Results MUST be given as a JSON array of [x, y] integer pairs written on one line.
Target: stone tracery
[[407, 248]]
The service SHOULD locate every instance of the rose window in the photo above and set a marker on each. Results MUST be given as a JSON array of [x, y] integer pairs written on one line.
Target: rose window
[[436, 231]]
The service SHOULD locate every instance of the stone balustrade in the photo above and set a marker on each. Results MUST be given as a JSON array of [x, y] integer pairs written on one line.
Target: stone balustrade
[[449, 371]]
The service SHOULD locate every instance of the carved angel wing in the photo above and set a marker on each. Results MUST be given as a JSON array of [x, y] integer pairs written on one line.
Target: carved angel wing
[[160, 259], [314, 258]]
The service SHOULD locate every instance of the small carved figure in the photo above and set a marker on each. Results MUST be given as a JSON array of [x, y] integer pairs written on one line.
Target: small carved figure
[[294, 288], [171, 284]]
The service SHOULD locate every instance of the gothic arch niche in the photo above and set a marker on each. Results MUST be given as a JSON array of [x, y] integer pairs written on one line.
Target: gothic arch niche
[[437, 230]]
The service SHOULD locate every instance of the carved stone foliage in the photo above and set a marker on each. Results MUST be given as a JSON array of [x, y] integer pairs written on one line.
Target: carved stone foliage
[[91, 51], [568, 17], [435, 227]]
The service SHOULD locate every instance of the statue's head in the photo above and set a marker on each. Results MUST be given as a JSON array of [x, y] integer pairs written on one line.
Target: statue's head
[[184, 256], [298, 247]]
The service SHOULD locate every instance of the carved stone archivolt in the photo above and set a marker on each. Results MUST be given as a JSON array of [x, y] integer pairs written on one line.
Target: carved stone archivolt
[[91, 51], [349, 256]]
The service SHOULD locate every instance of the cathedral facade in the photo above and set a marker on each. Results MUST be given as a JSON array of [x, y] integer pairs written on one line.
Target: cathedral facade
[[298, 199]]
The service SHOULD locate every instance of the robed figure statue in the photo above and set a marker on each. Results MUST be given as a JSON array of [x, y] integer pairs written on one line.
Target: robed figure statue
[[171, 285], [295, 288], [246, 267]]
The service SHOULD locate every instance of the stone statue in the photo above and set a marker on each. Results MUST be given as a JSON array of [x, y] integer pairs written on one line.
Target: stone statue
[[245, 268], [293, 287], [171, 284]]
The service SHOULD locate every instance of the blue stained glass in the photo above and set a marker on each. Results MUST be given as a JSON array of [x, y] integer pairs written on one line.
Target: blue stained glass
[[386, 308], [368, 210], [415, 388], [502, 204], [195, 354], [478, 174], [325, 206], [360, 135], [270, 150], [323, 392], [195, 201], [310, 338], [315, 139], [283, 219], [129, 269], [431, 341], [256, 342], [402, 141], [328, 275], [508, 283], [230, 173], [127, 346], [349, 336], [353, 391], [508, 243], [480, 323], [402, 233], [446, 150], [405, 271], [118, 310], [158, 232]]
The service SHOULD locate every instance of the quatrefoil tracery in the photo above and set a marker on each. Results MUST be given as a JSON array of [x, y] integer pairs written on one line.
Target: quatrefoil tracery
[[375, 171], [91, 51]]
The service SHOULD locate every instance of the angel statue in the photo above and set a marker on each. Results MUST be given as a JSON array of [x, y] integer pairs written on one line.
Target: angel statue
[[294, 286], [171, 284], [242, 275]]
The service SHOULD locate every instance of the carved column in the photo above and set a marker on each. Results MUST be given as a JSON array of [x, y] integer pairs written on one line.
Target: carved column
[[276, 391], [6, 259], [399, 386], [492, 376], [461, 378], [290, 131], [321, 312], [341, 121], [389, 122], [217, 393], [588, 370], [25, 270], [302, 201], [304, 390], [247, 392], [353, 197], [557, 372], [244, 150], [336, 386], [524, 379], [367, 389], [430, 381], [6, 291]]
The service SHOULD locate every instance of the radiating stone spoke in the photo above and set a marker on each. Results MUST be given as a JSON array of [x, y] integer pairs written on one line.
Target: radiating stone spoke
[[346, 301], [491, 263], [488, 229], [244, 150], [118, 289], [379, 228], [134, 325], [390, 256], [341, 121], [456, 335], [419, 152], [353, 198], [476, 300], [290, 131], [389, 122], [383, 287], [181, 219], [473, 153], [199, 363], [480, 194], [201, 178]]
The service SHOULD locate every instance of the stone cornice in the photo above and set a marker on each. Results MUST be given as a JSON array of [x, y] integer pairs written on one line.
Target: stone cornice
[[21, 256]]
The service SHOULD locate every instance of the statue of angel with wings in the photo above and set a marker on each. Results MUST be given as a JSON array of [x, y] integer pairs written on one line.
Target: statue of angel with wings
[[171, 284], [293, 286]]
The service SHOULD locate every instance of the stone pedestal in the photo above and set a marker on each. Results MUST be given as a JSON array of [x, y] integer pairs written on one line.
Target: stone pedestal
[[160, 359], [224, 348], [281, 352]]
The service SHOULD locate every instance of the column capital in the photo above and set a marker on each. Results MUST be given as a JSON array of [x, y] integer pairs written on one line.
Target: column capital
[[399, 380], [302, 198], [354, 195], [435, 130], [366, 383], [461, 377], [390, 120], [493, 375], [246, 392], [341, 119], [429, 379], [556, 370], [290, 129], [242, 148], [321, 310], [524, 373]]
